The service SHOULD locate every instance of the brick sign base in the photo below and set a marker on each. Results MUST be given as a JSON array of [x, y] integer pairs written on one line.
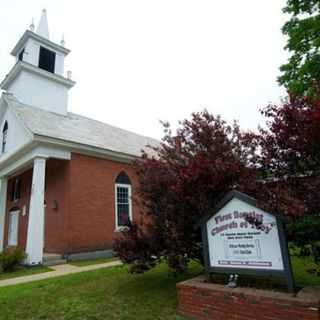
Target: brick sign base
[[201, 300]]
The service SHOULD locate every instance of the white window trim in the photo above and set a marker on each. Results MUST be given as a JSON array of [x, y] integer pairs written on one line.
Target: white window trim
[[128, 186]]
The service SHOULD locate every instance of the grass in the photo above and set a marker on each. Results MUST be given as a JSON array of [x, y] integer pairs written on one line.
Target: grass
[[302, 277], [109, 293], [301, 266], [21, 272], [83, 263]]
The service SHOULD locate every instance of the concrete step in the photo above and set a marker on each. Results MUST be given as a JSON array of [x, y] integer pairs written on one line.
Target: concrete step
[[53, 259], [55, 262]]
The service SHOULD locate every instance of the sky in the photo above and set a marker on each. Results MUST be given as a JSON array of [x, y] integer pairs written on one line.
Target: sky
[[137, 62]]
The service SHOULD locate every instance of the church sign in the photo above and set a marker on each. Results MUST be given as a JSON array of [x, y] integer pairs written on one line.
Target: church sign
[[240, 238]]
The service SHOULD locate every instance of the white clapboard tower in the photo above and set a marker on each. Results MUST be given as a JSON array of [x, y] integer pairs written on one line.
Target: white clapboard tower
[[37, 78]]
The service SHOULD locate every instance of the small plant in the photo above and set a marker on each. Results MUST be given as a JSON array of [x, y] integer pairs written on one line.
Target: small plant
[[11, 258]]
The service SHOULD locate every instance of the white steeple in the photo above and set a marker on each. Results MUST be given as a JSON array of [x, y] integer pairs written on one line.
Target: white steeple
[[38, 77], [43, 28]]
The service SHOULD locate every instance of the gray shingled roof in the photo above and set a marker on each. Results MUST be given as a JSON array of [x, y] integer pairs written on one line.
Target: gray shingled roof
[[75, 128]]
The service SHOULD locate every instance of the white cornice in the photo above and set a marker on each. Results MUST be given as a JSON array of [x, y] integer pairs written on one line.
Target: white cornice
[[20, 66], [86, 149], [23, 158], [52, 148], [7, 159], [32, 35]]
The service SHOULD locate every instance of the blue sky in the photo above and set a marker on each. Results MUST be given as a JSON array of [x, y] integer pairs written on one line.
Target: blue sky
[[138, 62]]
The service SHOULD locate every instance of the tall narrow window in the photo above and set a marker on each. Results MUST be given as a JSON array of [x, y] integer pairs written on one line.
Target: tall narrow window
[[15, 191], [123, 200], [47, 59], [4, 137]]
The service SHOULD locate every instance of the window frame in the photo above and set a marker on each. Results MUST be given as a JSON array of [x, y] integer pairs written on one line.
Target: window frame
[[129, 187]]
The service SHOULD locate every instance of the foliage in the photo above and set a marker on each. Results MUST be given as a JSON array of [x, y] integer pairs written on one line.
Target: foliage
[[207, 158], [304, 234], [290, 149], [301, 74], [304, 231], [11, 258], [291, 143], [192, 171], [290, 152]]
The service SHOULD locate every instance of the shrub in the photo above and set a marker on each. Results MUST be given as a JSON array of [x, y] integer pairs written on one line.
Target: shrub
[[11, 258]]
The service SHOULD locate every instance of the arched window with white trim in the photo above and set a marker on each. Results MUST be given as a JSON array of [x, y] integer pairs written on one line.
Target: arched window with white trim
[[123, 201], [4, 137]]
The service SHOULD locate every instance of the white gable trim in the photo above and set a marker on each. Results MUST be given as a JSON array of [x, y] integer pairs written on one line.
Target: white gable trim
[[18, 133], [5, 103], [21, 122], [3, 108]]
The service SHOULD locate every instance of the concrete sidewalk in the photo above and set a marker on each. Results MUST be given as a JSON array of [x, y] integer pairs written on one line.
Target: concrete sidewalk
[[60, 270]]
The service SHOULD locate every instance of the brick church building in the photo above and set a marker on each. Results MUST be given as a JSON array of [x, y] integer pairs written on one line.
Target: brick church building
[[66, 180]]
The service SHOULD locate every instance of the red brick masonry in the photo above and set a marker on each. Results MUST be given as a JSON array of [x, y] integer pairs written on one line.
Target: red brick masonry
[[217, 302]]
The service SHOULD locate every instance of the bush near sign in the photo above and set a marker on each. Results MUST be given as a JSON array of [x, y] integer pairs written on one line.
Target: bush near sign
[[234, 245]]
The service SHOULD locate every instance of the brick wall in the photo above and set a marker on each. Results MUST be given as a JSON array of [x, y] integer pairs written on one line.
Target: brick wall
[[211, 301], [91, 220], [56, 211], [56, 191], [24, 200], [80, 204]]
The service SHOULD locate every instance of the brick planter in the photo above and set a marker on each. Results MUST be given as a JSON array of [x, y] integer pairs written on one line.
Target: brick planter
[[202, 300]]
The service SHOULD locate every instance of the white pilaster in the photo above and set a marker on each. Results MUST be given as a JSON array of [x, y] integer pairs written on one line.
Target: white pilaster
[[3, 203], [34, 248]]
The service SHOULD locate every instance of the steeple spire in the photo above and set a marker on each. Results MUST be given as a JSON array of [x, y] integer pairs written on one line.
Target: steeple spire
[[31, 27], [43, 29]]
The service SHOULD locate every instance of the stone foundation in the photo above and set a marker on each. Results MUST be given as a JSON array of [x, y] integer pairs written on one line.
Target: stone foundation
[[201, 300]]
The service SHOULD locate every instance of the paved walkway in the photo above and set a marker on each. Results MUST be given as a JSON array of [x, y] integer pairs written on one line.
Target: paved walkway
[[60, 270]]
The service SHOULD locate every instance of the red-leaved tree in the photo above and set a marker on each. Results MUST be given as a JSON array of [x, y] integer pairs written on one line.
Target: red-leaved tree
[[192, 171], [195, 167], [290, 156]]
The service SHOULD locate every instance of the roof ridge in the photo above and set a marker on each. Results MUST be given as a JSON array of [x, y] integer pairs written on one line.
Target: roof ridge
[[81, 129], [10, 96]]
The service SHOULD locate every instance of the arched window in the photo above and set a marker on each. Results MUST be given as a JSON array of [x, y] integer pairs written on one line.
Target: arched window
[[4, 137], [123, 193]]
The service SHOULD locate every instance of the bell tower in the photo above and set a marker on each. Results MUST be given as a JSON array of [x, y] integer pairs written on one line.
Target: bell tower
[[37, 78]]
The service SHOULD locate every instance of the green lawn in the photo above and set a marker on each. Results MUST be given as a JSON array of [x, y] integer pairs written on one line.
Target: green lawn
[[83, 263], [24, 272], [109, 293]]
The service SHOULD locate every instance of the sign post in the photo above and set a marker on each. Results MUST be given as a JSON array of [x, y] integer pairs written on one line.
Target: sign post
[[241, 238]]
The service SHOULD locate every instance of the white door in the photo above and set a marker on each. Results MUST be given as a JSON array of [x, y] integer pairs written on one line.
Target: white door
[[13, 228]]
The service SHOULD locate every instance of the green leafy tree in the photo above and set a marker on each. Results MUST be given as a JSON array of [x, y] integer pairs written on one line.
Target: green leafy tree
[[301, 74]]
